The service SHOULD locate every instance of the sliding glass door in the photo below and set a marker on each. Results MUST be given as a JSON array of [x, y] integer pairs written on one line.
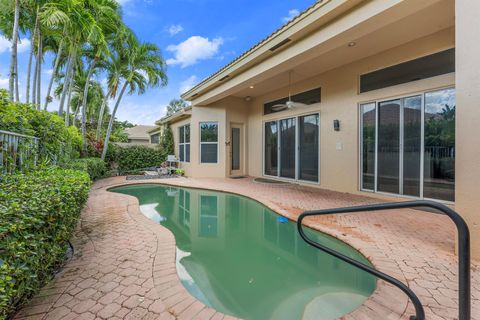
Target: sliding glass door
[[309, 135], [388, 150], [287, 147], [408, 145], [271, 148], [291, 148]]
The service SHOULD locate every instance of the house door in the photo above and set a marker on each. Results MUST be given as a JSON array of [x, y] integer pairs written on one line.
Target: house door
[[236, 150]]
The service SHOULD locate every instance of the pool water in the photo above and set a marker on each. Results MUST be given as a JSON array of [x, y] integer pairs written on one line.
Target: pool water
[[234, 255]]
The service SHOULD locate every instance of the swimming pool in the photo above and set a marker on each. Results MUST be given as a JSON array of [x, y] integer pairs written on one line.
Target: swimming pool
[[234, 255]]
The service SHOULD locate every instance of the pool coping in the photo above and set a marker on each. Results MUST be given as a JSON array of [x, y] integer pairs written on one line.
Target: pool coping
[[383, 303]]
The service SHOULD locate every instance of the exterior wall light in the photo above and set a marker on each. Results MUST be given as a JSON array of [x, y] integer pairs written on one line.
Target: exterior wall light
[[336, 125]]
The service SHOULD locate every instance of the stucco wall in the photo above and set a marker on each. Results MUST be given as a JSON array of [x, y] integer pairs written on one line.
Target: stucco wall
[[468, 117]]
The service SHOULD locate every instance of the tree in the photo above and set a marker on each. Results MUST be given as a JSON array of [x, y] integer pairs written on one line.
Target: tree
[[13, 62], [166, 142], [176, 105], [142, 67]]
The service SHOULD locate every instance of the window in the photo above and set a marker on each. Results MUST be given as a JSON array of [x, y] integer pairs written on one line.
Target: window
[[184, 143], [307, 97], [291, 148], [403, 154], [155, 138], [421, 68], [208, 216], [208, 142]]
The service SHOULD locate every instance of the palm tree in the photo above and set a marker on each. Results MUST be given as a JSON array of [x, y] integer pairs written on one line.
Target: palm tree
[[143, 67], [13, 61], [107, 16]]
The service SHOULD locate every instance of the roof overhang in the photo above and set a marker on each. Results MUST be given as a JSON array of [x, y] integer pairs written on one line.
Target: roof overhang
[[177, 116], [319, 41]]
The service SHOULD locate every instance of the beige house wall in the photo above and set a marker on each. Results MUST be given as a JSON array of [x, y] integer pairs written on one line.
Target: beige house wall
[[467, 169], [339, 169]]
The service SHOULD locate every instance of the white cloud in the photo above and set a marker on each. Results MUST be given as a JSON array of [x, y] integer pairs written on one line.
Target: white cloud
[[188, 84], [140, 114], [48, 71], [122, 2], [195, 48], [175, 29], [291, 14], [3, 83], [5, 45]]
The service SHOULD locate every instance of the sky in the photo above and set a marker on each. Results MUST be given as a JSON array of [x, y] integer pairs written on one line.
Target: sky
[[196, 37]]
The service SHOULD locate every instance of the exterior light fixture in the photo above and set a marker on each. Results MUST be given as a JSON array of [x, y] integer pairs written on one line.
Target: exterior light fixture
[[336, 125], [352, 44], [251, 87], [248, 98]]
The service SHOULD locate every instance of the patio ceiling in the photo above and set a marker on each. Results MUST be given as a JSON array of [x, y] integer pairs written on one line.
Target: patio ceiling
[[398, 25]]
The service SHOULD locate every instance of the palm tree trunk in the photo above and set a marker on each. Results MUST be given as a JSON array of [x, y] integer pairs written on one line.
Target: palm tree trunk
[[84, 103], [67, 113], [66, 81], [13, 60], [34, 87], [39, 70], [17, 94], [30, 58], [100, 116], [54, 74], [75, 115], [112, 119]]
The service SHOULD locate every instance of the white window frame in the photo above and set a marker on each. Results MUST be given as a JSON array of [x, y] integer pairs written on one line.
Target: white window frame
[[422, 144], [184, 143], [297, 147], [204, 143]]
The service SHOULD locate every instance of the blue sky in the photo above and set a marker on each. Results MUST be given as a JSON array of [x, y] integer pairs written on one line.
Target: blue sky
[[197, 37]]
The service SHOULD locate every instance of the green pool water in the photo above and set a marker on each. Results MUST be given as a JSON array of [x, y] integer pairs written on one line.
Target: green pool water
[[235, 256]]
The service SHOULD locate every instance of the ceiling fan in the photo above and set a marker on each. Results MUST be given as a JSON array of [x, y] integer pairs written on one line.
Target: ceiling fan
[[289, 104]]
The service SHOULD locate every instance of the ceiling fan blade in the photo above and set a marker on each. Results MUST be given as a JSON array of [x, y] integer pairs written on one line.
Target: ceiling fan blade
[[293, 104], [279, 107]]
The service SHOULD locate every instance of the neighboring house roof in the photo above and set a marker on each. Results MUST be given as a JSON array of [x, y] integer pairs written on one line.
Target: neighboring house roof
[[155, 130], [177, 116], [139, 132], [238, 60]]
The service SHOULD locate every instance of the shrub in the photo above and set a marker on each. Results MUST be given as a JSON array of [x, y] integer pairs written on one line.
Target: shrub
[[95, 167], [135, 158], [39, 212], [58, 143]]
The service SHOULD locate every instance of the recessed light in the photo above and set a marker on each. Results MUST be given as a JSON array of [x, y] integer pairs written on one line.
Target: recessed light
[[251, 87], [352, 44]]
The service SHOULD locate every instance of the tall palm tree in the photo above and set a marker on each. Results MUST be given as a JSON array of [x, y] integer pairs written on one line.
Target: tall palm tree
[[13, 60], [143, 67], [107, 16]]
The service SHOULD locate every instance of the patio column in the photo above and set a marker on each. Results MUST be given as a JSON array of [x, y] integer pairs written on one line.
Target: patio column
[[467, 78]]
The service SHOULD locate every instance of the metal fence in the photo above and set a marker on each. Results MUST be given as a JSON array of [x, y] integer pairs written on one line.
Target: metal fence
[[17, 151]]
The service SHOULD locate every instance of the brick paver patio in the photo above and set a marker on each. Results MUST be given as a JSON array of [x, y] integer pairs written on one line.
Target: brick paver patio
[[124, 264]]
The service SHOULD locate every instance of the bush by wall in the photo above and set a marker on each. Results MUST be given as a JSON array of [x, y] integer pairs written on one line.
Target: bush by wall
[[95, 167], [58, 143], [39, 211], [131, 159]]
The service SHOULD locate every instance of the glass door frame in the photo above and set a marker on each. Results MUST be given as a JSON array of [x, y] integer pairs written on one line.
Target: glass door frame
[[422, 94], [297, 148]]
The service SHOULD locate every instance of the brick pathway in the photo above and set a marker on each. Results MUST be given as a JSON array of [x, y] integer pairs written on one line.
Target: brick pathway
[[124, 264]]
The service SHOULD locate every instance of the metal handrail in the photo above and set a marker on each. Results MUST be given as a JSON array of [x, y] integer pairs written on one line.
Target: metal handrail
[[463, 251]]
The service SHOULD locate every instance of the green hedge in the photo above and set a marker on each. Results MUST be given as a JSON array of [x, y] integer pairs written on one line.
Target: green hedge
[[58, 143], [39, 212], [95, 167], [131, 159]]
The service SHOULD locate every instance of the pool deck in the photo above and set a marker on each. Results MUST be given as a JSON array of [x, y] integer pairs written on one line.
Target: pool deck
[[124, 264]]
